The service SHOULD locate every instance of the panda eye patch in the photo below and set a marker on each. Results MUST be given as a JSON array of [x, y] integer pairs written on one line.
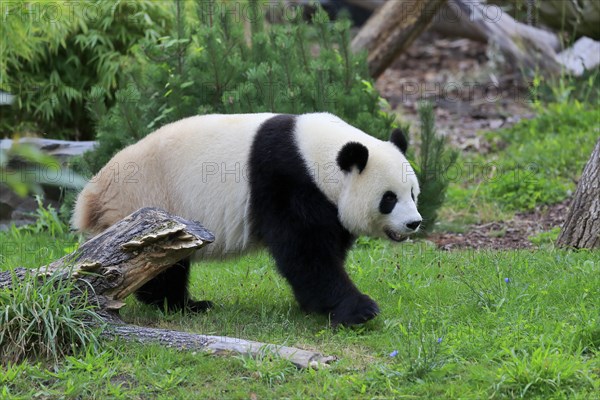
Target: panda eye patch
[[388, 202], [412, 194]]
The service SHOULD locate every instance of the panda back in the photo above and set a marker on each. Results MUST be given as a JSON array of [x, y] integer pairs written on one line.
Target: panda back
[[195, 168]]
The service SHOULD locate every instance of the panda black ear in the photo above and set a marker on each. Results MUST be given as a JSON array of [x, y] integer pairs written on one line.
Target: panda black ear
[[400, 139], [353, 154]]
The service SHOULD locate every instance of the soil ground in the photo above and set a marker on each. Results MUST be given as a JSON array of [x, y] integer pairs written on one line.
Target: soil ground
[[472, 91], [513, 234]]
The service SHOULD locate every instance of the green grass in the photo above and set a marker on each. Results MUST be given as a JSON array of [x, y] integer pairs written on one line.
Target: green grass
[[451, 326], [536, 162]]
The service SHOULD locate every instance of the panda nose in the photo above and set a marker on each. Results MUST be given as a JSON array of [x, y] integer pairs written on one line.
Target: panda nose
[[413, 225]]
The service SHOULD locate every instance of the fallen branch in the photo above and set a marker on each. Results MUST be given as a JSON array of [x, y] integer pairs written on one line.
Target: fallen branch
[[217, 344], [115, 263]]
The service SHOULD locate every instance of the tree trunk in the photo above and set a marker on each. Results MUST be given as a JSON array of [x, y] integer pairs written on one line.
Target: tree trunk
[[582, 227], [392, 29], [115, 263]]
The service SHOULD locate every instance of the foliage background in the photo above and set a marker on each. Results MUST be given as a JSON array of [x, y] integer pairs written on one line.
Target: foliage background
[[53, 53]]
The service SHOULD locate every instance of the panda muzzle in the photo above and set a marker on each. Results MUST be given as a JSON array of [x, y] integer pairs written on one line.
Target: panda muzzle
[[394, 236]]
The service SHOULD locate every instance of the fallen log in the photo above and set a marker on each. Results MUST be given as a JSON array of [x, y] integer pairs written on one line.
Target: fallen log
[[118, 261], [523, 45], [114, 264], [392, 29], [473, 19]]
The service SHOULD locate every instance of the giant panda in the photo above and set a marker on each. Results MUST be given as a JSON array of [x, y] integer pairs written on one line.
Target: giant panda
[[305, 186]]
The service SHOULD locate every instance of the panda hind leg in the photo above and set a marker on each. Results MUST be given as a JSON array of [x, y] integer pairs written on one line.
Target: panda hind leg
[[170, 288]]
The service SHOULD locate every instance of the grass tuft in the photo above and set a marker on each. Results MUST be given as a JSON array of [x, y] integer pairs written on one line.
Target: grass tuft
[[543, 372], [267, 367], [45, 318]]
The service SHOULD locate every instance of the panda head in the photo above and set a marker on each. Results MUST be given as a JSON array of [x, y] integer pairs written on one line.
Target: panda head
[[380, 189]]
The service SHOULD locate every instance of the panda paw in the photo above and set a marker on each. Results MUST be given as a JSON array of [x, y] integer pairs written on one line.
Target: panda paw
[[353, 310], [198, 306]]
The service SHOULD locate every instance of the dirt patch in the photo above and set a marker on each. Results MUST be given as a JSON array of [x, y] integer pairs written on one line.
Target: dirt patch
[[512, 234], [473, 90]]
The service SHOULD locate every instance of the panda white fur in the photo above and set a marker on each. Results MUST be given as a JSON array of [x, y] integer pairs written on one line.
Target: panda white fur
[[304, 186]]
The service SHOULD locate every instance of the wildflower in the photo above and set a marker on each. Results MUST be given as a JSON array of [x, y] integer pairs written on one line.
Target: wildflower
[[394, 353], [439, 340], [507, 280]]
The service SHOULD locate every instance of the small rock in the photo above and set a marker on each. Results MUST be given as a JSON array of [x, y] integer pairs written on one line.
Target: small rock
[[496, 123]]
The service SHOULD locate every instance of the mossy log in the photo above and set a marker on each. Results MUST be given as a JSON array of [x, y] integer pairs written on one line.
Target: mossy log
[[115, 263]]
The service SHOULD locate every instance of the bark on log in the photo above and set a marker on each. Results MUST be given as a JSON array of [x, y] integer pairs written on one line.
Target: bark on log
[[118, 261], [392, 29], [582, 227]]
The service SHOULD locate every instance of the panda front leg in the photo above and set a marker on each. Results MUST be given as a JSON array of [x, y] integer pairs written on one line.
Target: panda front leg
[[315, 270], [170, 288]]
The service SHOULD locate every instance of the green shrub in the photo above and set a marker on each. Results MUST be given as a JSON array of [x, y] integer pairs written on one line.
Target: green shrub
[[53, 53], [515, 192], [546, 237], [544, 372], [208, 64], [566, 88], [434, 162]]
